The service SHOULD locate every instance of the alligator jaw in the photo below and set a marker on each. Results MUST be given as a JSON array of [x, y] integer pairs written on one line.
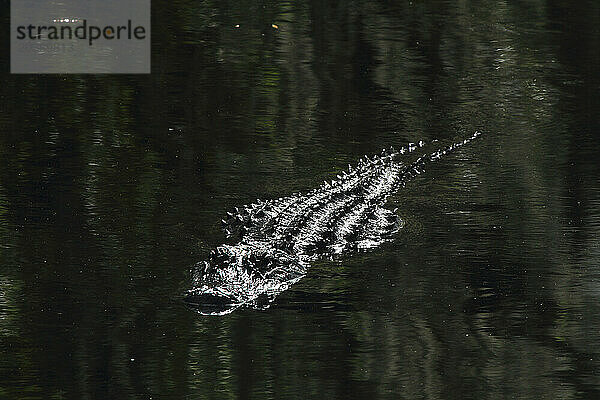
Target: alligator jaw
[[210, 302]]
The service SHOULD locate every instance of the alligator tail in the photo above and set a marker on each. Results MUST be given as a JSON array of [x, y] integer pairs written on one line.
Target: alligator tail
[[417, 166]]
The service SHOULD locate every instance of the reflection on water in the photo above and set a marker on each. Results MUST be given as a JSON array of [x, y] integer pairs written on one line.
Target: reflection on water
[[111, 187]]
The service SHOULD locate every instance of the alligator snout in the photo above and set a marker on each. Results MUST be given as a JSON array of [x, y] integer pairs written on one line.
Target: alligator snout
[[210, 303]]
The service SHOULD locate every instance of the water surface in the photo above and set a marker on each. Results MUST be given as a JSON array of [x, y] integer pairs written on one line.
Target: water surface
[[112, 186]]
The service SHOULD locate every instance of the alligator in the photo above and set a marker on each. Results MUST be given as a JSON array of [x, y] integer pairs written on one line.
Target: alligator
[[276, 240]]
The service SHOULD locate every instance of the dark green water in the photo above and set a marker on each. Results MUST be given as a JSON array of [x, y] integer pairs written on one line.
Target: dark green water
[[111, 187]]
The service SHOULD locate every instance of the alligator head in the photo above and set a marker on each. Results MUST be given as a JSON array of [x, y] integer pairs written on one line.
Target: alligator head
[[242, 274]]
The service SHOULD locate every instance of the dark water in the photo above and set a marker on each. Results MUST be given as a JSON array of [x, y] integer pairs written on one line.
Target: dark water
[[111, 187]]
